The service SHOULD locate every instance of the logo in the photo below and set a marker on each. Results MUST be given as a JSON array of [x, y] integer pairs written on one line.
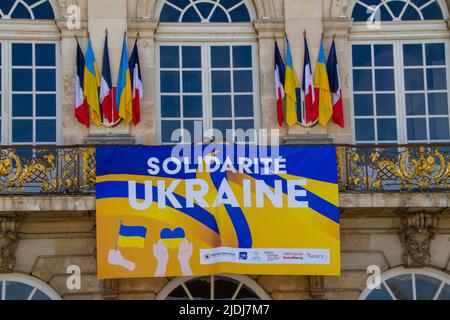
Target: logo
[[206, 256], [243, 256], [256, 256]]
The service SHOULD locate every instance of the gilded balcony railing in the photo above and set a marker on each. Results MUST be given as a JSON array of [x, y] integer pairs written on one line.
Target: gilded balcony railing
[[71, 170]]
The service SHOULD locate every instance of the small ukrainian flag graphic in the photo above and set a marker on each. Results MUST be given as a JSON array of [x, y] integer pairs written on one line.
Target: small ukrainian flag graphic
[[131, 236]]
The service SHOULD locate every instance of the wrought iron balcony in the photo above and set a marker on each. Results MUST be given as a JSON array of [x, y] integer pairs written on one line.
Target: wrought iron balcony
[[361, 169]]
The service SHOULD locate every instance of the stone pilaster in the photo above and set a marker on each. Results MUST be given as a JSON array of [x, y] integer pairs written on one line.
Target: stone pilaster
[[317, 287], [9, 240]]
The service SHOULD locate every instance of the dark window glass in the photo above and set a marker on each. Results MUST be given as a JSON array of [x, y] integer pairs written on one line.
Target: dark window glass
[[245, 124], [384, 55], [360, 13], [224, 289], [435, 54], [20, 12], [190, 134], [167, 128], [417, 129], [22, 80], [385, 15], [17, 290], [365, 130], [170, 106], [44, 11], [412, 55], [411, 14], [221, 106], [381, 294], [363, 104], [45, 80], [243, 106], [45, 105], [221, 81], [243, 81], [192, 81], [22, 131], [192, 57], [362, 55], [362, 80], [432, 12], [439, 129], [219, 16], [415, 104], [387, 129], [242, 56], [426, 287], [205, 9], [401, 287], [45, 55], [445, 293], [170, 81], [191, 15], [414, 79], [228, 4], [6, 5], [45, 130], [220, 57], [437, 79], [22, 54], [169, 57], [438, 103], [39, 295], [384, 80], [22, 105], [180, 3], [223, 126], [240, 14], [396, 7], [385, 104], [169, 14], [192, 106]]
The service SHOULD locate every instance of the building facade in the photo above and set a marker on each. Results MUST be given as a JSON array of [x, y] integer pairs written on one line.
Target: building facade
[[213, 62]]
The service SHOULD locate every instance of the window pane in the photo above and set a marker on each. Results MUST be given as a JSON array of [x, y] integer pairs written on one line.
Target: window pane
[[386, 104], [170, 81], [365, 130], [415, 104], [220, 57], [381, 294], [360, 13], [221, 106], [445, 293], [439, 129], [437, 103], [243, 81], [192, 57], [219, 16], [169, 14], [169, 57], [191, 15], [22, 105], [417, 129], [45, 55], [223, 126], [362, 80], [243, 106], [17, 291], [221, 81], [192, 106], [432, 12], [362, 55], [384, 55], [411, 14], [414, 79], [412, 55], [22, 54], [45, 80], [45, 130], [193, 131], [437, 79], [245, 124], [363, 104], [192, 81], [45, 105], [387, 129], [401, 286], [242, 56], [170, 106], [22, 131], [167, 128], [426, 287], [384, 80], [205, 9], [22, 80], [435, 54], [240, 14], [39, 295]]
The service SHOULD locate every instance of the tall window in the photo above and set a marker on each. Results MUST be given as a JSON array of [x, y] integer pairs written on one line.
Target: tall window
[[206, 83], [400, 86], [29, 79]]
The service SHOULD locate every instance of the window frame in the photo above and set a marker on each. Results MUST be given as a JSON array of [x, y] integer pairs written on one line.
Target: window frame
[[206, 44], [36, 283], [392, 33]]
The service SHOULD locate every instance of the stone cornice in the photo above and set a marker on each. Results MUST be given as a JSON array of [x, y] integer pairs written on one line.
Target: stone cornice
[[82, 32], [146, 27], [337, 26], [269, 28]]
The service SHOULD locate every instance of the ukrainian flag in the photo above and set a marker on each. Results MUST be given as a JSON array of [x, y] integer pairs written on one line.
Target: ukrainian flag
[[322, 84], [124, 93], [131, 236], [91, 84], [291, 86]]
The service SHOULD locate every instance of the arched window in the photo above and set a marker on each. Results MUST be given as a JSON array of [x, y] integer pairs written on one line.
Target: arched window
[[400, 71], [22, 287], [223, 287], [208, 75], [411, 284], [29, 72]]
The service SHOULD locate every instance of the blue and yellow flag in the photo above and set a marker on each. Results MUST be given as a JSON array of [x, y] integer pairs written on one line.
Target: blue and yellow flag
[[131, 236], [322, 88], [291, 87], [124, 94], [91, 84]]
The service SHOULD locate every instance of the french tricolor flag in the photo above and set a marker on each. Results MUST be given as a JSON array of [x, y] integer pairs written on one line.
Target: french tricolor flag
[[106, 90], [311, 108], [136, 83], [81, 106], [335, 86], [279, 84]]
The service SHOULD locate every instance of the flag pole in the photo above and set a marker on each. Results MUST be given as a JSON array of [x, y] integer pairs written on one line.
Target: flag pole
[[117, 237]]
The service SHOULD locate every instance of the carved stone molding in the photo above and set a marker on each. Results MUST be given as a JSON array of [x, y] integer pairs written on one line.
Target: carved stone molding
[[317, 287], [110, 289], [417, 231], [8, 243]]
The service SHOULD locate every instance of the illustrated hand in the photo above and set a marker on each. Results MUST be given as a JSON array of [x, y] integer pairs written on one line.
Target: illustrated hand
[[162, 256], [184, 255]]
